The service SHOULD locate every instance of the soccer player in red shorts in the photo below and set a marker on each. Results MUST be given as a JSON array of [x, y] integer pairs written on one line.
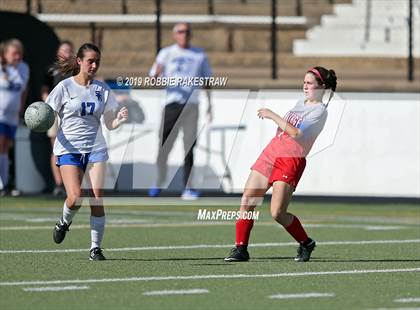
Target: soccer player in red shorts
[[282, 163]]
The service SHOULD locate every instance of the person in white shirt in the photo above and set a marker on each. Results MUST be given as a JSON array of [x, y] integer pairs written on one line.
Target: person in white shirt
[[14, 76], [80, 101], [182, 61]]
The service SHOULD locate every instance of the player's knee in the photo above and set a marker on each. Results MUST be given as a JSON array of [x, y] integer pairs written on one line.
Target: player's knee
[[74, 198], [279, 216], [249, 200]]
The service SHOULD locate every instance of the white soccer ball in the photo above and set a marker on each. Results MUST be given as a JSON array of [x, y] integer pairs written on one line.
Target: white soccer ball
[[39, 116]]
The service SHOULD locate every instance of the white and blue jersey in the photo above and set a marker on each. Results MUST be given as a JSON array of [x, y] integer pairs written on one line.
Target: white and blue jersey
[[13, 82], [180, 62], [80, 109]]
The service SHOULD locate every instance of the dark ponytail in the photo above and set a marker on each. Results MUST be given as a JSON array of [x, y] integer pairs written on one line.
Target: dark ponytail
[[70, 66], [67, 66], [325, 77], [331, 80]]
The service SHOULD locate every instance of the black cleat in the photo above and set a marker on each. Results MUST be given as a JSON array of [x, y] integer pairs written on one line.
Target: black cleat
[[237, 255], [96, 254], [304, 251], [60, 229]]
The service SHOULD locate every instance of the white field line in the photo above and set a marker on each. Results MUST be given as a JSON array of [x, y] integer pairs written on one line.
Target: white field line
[[23, 213], [358, 226], [176, 292], [396, 309], [210, 277], [109, 221], [208, 246], [134, 223], [127, 225], [407, 300], [300, 296], [55, 288], [162, 202]]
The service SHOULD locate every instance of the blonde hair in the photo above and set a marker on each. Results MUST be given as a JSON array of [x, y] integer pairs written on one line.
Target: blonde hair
[[11, 42], [3, 48]]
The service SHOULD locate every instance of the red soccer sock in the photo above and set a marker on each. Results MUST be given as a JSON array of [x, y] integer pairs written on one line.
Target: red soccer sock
[[243, 229], [296, 230]]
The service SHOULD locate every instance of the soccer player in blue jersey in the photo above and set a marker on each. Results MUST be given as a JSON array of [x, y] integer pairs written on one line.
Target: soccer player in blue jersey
[[14, 76], [80, 101]]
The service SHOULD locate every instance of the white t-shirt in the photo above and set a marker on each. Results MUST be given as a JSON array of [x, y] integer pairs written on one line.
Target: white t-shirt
[[11, 90], [184, 63], [310, 119], [80, 109]]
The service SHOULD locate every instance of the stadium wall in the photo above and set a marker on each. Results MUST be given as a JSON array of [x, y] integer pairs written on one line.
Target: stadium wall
[[369, 146]]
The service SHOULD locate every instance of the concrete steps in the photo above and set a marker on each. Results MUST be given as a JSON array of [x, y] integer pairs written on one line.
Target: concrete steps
[[353, 31], [239, 52], [255, 59], [355, 74], [310, 8], [211, 37]]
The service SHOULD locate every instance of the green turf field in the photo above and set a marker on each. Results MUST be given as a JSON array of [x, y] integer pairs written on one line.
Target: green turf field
[[368, 257]]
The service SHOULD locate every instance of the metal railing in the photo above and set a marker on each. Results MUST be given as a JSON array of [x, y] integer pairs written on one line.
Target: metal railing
[[410, 41], [387, 35], [273, 24], [211, 6]]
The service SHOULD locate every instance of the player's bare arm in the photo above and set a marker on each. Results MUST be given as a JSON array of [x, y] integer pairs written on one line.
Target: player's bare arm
[[291, 130], [159, 70], [113, 122]]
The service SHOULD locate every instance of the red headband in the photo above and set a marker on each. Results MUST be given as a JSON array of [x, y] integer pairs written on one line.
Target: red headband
[[316, 72]]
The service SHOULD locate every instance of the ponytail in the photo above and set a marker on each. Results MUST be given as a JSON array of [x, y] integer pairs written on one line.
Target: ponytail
[[70, 66]]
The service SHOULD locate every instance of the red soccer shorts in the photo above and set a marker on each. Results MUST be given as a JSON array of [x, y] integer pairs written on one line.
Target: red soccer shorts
[[277, 165], [288, 170]]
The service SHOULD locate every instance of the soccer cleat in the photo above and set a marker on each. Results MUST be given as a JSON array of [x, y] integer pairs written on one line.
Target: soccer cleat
[[190, 194], [237, 255], [304, 252], [96, 254], [154, 192], [60, 230], [15, 192]]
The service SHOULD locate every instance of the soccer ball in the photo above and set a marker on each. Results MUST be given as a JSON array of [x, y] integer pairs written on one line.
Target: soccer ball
[[39, 116]]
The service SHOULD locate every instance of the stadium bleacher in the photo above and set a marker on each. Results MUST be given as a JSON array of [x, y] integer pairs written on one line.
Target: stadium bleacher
[[363, 28], [238, 45]]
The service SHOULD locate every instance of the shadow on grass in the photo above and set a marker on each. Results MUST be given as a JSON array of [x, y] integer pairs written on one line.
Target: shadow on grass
[[391, 260], [171, 259], [219, 259]]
